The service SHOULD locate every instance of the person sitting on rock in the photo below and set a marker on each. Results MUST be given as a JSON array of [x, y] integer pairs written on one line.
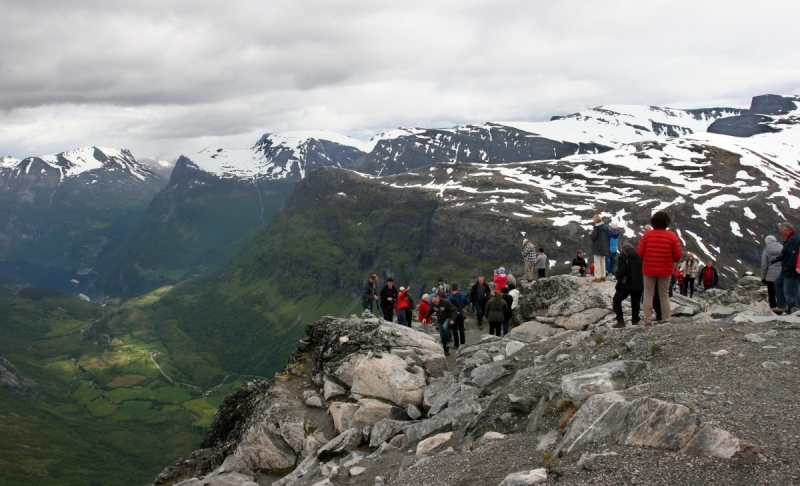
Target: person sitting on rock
[[630, 283], [388, 299], [529, 256], [541, 263], [496, 310], [424, 320], [659, 250], [479, 296], [445, 314], [500, 279], [580, 262], [460, 302], [707, 275]]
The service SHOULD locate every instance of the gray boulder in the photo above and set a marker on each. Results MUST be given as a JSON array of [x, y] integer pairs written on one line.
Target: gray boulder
[[612, 376]]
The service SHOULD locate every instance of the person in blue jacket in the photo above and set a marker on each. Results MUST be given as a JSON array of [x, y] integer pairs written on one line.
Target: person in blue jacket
[[460, 301], [613, 247]]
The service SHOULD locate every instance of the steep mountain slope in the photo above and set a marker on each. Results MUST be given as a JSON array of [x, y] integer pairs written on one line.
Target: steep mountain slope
[[66, 209]]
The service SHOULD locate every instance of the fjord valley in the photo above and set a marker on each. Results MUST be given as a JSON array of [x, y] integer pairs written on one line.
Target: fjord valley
[[211, 277]]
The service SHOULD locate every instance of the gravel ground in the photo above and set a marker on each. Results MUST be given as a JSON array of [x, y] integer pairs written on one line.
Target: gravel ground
[[734, 392]]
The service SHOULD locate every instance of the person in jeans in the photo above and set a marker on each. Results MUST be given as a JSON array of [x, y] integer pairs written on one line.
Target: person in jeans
[[659, 250], [541, 263], [789, 264], [368, 295], [460, 302], [630, 283], [424, 320], [445, 314], [770, 270], [388, 299], [496, 310], [529, 255], [599, 236], [613, 248], [402, 305], [689, 271], [479, 296]]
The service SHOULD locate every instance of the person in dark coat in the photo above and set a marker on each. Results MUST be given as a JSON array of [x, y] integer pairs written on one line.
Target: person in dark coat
[[599, 236], [496, 310], [630, 283], [479, 296], [368, 295], [445, 314], [460, 301], [789, 261], [580, 262], [388, 299], [509, 300], [707, 275]]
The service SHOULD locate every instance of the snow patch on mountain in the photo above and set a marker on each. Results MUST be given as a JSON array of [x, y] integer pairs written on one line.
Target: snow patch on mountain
[[8, 162], [73, 163]]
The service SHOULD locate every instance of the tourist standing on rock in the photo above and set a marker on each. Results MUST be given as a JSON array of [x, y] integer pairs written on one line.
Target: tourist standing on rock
[[500, 279], [770, 271], [496, 310], [409, 309], [402, 305], [580, 262], [613, 248], [509, 302], [445, 314], [707, 275], [630, 283], [479, 296], [388, 299], [659, 250], [422, 311], [789, 264], [514, 293], [460, 301], [599, 236], [529, 255], [689, 270], [541, 263], [368, 295]]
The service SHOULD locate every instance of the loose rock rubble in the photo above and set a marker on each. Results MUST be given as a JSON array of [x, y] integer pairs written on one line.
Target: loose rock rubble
[[563, 398]]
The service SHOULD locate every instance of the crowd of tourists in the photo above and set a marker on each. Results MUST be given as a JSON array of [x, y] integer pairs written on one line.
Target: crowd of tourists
[[645, 272]]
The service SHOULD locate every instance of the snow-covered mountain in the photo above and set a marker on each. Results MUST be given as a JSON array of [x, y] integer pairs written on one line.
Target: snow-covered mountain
[[65, 209]]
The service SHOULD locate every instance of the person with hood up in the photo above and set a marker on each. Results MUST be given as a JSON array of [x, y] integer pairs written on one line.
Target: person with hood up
[[529, 255], [496, 311], [770, 271], [541, 263], [402, 305], [500, 279], [707, 275], [479, 296], [460, 302], [659, 250], [388, 299], [599, 236], [689, 270], [445, 314], [630, 283], [789, 264], [422, 310], [613, 248]]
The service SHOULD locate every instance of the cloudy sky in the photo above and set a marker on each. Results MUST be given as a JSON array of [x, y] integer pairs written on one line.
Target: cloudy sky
[[168, 77]]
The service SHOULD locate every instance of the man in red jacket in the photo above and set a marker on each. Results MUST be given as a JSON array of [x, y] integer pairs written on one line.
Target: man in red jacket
[[659, 250]]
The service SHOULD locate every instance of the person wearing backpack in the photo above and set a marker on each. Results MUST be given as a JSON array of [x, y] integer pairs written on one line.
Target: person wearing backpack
[[460, 302], [402, 306], [496, 310], [479, 296]]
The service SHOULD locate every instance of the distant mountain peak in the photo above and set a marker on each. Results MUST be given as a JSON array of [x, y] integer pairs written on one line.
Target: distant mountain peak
[[75, 162]]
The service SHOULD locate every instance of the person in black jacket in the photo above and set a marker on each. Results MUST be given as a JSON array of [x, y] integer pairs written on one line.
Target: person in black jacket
[[368, 295], [707, 275], [580, 262], [445, 314], [630, 282], [388, 299], [479, 295], [509, 302]]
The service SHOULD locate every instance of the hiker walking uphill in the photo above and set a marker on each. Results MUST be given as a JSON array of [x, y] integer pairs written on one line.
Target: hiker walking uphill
[[707, 275], [689, 270], [529, 255], [659, 250], [496, 310], [789, 262], [402, 306], [479, 296], [388, 299], [445, 314], [541, 263], [460, 302], [368, 295], [599, 236], [770, 271], [630, 282]]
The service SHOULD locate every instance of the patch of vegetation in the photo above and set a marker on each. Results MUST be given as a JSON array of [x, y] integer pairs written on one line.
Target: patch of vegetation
[[655, 349]]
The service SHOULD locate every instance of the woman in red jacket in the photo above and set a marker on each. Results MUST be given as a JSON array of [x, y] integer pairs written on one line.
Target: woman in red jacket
[[659, 250], [402, 305], [424, 306]]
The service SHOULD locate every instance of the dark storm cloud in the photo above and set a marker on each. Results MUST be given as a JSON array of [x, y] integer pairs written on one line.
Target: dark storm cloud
[[166, 76]]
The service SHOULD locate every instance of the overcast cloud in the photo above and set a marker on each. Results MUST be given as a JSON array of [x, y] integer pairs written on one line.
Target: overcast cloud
[[169, 77]]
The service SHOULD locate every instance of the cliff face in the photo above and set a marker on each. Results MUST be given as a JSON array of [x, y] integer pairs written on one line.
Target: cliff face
[[562, 387]]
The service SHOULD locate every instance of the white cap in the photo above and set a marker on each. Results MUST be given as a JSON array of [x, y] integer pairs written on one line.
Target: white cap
[[402, 289]]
